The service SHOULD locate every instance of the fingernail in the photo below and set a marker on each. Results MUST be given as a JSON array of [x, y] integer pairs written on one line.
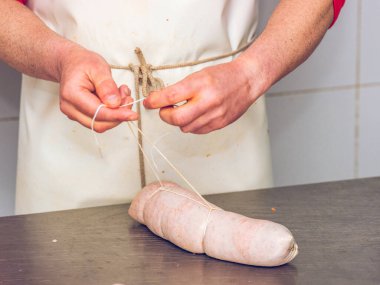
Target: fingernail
[[125, 92]]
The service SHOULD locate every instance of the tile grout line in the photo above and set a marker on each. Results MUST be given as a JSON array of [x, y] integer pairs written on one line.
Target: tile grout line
[[323, 89], [9, 119], [357, 92]]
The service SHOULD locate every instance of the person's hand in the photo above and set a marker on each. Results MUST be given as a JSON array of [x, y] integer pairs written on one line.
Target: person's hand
[[216, 96], [85, 83]]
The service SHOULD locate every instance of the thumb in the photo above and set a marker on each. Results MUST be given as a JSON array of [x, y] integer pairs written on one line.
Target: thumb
[[107, 91]]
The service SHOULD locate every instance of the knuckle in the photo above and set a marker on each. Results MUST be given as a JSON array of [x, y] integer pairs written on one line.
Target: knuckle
[[65, 110], [172, 97], [208, 78], [214, 95], [64, 93], [71, 117], [100, 129], [221, 113], [183, 129], [218, 100]]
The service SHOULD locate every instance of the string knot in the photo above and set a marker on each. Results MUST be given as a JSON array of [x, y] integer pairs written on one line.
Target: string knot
[[143, 74]]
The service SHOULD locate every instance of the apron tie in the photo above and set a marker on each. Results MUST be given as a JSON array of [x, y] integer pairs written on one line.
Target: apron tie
[[143, 72], [144, 77]]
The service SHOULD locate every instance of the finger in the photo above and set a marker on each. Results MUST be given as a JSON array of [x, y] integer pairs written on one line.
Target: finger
[[127, 100], [210, 126], [169, 96], [125, 92], [203, 131], [99, 126], [106, 88], [196, 107], [184, 114], [216, 116], [87, 103], [122, 114]]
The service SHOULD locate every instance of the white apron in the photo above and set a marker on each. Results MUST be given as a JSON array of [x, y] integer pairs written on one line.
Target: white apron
[[59, 165]]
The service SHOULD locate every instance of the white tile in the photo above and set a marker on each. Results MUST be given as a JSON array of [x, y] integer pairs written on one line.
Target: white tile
[[333, 62], [8, 161], [312, 137], [370, 45], [369, 143], [10, 84]]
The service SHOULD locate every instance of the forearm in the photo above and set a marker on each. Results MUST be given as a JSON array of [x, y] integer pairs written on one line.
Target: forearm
[[293, 32], [27, 44]]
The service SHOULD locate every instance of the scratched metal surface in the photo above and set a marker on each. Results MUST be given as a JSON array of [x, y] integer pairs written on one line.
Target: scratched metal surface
[[337, 227]]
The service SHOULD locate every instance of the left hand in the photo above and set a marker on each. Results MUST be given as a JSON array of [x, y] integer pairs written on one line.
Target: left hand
[[216, 96]]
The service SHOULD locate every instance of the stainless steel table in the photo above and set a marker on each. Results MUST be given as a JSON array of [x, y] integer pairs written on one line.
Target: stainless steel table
[[337, 227]]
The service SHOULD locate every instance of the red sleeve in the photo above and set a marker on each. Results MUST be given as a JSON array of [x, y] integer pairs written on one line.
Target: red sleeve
[[22, 1], [338, 4]]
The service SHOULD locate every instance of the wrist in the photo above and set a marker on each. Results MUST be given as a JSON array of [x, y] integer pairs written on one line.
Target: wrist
[[254, 76], [64, 49]]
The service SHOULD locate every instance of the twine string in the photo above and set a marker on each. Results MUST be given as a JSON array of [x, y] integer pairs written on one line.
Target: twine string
[[143, 76]]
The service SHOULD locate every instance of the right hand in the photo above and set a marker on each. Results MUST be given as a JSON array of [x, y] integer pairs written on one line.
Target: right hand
[[85, 83]]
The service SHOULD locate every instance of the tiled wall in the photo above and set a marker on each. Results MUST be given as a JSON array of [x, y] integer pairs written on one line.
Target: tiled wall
[[323, 119], [9, 109]]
